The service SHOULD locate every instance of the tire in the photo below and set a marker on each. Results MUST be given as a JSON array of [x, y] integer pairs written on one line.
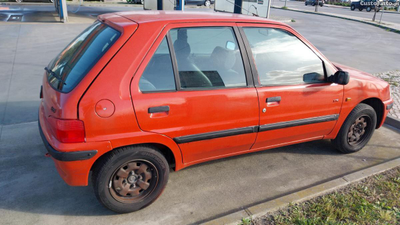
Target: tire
[[352, 7], [368, 9], [142, 2], [207, 3], [356, 130], [130, 178], [313, 4], [18, 1], [305, 4], [51, 1]]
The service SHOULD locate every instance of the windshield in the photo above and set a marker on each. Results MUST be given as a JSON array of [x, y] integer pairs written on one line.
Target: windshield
[[75, 61]]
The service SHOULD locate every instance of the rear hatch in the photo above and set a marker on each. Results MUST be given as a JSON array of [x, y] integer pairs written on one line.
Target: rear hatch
[[68, 76]]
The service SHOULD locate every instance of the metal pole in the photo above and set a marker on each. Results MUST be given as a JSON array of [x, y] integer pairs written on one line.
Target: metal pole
[[381, 16], [181, 5], [285, 4], [316, 6], [64, 11]]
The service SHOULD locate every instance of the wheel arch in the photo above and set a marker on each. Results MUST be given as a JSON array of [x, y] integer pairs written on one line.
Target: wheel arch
[[378, 106], [163, 149]]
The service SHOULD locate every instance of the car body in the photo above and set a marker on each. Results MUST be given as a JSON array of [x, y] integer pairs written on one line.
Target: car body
[[368, 5], [183, 98], [199, 2], [313, 2], [135, 1]]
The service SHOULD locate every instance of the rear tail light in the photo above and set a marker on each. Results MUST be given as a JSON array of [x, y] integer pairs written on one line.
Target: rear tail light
[[67, 131]]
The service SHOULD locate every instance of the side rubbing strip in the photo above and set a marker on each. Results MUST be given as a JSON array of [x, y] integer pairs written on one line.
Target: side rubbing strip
[[216, 134], [294, 123]]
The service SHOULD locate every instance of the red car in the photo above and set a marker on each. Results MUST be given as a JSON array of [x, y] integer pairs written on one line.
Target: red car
[[138, 93]]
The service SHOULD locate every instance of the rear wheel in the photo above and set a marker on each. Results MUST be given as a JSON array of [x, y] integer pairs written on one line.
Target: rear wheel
[[368, 9], [357, 129], [207, 3], [130, 178], [305, 3], [18, 1]]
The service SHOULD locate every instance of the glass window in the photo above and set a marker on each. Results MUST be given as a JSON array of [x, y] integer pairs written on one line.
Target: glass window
[[208, 57], [75, 61], [159, 75], [282, 59]]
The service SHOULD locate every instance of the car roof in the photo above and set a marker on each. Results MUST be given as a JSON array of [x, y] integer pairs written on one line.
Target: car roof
[[149, 16]]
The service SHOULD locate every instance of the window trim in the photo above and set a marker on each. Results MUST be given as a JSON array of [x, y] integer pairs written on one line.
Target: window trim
[[242, 49], [254, 68]]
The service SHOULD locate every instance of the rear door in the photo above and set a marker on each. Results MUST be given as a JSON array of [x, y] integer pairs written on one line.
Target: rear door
[[296, 101], [195, 88]]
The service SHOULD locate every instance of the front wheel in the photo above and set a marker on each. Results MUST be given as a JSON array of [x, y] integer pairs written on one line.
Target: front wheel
[[130, 178], [18, 1], [352, 7], [207, 3], [356, 130], [368, 9]]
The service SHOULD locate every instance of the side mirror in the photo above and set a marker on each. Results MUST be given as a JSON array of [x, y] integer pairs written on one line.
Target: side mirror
[[340, 77], [313, 77]]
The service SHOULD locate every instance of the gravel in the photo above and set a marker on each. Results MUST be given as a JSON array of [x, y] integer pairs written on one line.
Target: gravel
[[393, 77]]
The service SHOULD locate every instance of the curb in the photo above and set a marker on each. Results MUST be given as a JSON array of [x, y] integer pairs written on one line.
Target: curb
[[304, 195], [342, 17], [392, 123]]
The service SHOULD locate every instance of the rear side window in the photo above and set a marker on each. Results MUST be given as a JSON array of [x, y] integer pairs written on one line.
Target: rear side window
[[208, 57], [76, 60], [158, 75]]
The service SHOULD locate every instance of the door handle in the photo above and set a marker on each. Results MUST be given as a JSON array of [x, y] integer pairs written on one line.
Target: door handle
[[273, 101], [158, 109]]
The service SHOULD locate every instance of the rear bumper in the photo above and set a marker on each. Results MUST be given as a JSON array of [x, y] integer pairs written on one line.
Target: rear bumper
[[66, 156], [73, 161]]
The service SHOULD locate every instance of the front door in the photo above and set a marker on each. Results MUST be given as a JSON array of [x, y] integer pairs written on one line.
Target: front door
[[296, 101], [193, 88]]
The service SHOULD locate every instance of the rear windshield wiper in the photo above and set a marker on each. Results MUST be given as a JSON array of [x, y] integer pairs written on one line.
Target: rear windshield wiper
[[52, 73]]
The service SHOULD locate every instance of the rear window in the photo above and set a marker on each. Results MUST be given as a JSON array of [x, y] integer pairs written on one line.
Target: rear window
[[76, 60]]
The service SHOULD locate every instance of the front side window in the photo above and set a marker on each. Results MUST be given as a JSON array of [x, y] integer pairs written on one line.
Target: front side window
[[158, 75], [282, 59], [75, 61], [208, 57]]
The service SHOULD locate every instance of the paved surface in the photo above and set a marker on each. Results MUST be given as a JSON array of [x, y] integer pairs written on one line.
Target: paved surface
[[31, 191], [345, 11]]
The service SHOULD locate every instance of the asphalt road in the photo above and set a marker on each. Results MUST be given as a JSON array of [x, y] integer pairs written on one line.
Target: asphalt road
[[387, 17], [31, 191]]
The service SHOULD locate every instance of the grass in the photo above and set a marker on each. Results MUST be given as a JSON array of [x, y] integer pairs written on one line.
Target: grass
[[245, 221], [293, 20], [375, 200], [284, 7]]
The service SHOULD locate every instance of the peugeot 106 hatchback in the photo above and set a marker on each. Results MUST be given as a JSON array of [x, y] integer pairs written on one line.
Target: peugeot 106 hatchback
[[136, 94]]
